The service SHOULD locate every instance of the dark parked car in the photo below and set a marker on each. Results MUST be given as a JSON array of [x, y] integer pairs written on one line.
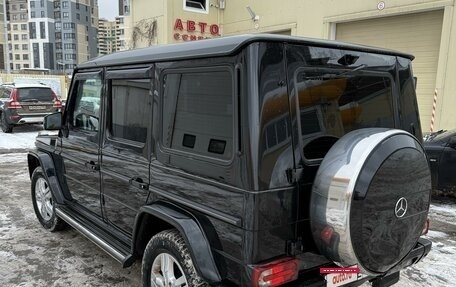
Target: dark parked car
[[26, 104], [441, 150], [250, 160]]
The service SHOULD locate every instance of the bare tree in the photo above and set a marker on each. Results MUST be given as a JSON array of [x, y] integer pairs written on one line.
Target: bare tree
[[144, 30]]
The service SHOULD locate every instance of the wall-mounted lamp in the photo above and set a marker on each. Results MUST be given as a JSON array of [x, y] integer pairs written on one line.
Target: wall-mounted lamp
[[254, 16]]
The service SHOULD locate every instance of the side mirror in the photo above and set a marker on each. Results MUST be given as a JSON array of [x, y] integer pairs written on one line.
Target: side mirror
[[53, 122]]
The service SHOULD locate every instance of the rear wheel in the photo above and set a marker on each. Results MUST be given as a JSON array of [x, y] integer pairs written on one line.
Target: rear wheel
[[43, 202], [6, 127], [167, 262]]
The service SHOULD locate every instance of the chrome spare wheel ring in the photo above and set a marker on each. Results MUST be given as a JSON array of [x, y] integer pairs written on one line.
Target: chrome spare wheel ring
[[167, 272], [43, 199]]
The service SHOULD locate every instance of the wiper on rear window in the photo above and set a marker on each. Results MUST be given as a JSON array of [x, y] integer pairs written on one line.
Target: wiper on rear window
[[30, 100]]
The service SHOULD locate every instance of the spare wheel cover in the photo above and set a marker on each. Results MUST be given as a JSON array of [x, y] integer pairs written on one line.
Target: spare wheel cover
[[370, 199]]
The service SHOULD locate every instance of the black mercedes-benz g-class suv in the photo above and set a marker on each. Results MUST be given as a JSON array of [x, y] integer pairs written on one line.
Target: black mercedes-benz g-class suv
[[251, 160]]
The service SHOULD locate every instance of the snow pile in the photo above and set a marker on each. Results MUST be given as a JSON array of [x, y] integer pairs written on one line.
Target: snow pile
[[13, 158], [22, 138]]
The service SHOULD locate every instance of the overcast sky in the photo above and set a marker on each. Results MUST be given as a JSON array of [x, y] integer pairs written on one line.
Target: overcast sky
[[108, 9]]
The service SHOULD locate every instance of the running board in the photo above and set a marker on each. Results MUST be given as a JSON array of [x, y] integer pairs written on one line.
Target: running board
[[102, 239]]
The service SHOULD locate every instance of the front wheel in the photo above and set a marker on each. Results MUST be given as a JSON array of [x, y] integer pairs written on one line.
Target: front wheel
[[167, 262], [43, 202]]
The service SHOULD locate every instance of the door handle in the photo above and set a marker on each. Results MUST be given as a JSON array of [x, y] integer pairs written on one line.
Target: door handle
[[139, 183], [92, 165], [433, 160]]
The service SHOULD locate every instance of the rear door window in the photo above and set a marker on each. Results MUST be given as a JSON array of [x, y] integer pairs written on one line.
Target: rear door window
[[35, 95], [130, 112]]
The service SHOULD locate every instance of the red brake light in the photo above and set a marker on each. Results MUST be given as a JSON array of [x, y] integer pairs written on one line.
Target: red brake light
[[275, 273], [326, 234], [14, 104], [57, 102]]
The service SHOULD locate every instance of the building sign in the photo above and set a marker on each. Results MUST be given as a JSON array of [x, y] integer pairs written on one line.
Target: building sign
[[192, 31]]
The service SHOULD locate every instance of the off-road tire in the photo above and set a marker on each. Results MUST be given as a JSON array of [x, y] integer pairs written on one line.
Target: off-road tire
[[6, 127], [170, 242], [54, 223]]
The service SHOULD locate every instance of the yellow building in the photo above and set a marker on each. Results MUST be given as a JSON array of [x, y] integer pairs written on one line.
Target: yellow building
[[424, 28]]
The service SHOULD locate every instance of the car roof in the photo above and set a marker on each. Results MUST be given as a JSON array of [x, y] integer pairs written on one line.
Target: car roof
[[20, 86], [219, 47]]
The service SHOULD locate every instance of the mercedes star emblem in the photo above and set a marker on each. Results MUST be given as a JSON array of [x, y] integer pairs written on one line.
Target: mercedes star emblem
[[401, 207]]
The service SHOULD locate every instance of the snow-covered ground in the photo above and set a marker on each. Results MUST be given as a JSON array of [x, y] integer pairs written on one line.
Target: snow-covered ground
[[22, 138]]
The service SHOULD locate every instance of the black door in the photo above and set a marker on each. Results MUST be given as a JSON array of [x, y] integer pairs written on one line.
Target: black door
[[80, 142], [126, 149], [447, 165]]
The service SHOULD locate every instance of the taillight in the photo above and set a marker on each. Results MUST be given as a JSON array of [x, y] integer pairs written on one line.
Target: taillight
[[326, 234], [14, 104], [275, 273], [426, 227], [57, 102]]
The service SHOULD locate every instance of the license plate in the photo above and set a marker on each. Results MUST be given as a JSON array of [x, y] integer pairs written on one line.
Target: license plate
[[37, 107], [341, 276], [339, 279]]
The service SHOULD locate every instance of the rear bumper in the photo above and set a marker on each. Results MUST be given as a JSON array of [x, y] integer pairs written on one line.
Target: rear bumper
[[30, 120], [18, 119], [421, 249]]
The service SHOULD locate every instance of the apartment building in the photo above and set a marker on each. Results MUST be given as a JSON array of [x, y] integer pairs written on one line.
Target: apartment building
[[76, 25], [18, 34], [124, 7], [107, 41], [123, 32], [3, 38], [42, 34], [51, 34]]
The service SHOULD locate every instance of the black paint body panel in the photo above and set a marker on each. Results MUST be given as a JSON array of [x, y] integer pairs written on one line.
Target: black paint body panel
[[247, 210]]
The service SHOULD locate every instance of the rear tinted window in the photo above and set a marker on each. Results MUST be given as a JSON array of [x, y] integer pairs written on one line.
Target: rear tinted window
[[35, 94], [337, 102]]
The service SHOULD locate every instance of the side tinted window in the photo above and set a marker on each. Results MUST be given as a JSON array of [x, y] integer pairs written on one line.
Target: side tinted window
[[130, 104], [198, 112], [86, 112], [4, 93]]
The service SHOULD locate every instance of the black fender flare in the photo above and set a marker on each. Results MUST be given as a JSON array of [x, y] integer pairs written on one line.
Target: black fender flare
[[190, 229], [47, 164]]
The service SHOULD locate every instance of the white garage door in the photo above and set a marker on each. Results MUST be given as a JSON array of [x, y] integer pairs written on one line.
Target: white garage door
[[417, 34]]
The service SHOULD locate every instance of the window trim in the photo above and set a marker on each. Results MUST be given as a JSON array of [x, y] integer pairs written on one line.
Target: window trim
[[235, 115], [196, 10], [127, 74]]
